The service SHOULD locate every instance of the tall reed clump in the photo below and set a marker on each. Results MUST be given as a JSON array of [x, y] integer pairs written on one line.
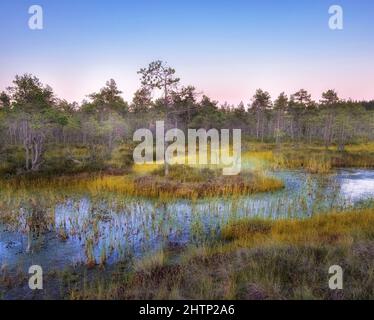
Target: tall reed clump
[[153, 261]]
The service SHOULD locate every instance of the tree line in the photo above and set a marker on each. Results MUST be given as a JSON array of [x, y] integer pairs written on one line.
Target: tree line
[[32, 118]]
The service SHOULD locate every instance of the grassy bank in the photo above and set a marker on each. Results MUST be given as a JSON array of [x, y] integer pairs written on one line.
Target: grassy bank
[[312, 158], [256, 259], [183, 182]]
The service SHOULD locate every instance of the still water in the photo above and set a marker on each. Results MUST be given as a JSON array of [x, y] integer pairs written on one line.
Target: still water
[[114, 229]]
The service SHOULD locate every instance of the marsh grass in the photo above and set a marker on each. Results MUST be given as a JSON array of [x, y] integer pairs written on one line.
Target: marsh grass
[[194, 183], [153, 261], [183, 182], [261, 259], [309, 157], [311, 164]]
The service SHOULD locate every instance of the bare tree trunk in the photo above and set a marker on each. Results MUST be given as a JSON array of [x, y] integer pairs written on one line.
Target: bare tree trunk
[[341, 141], [277, 133], [26, 137], [37, 152], [27, 157], [328, 130], [292, 131], [258, 125], [166, 126]]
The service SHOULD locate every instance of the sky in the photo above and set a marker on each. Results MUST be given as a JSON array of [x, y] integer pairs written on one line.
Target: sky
[[225, 48]]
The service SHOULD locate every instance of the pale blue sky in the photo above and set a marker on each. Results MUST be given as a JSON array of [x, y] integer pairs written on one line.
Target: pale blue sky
[[226, 48]]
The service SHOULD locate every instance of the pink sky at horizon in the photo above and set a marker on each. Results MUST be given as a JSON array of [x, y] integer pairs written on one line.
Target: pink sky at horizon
[[227, 89]]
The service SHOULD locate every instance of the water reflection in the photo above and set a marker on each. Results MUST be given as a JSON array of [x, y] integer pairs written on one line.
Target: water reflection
[[107, 230], [357, 185]]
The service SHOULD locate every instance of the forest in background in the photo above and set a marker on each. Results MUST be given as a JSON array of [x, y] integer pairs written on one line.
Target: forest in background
[[40, 132]]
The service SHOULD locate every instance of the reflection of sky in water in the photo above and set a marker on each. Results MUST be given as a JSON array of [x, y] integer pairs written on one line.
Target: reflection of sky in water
[[137, 227], [357, 185]]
